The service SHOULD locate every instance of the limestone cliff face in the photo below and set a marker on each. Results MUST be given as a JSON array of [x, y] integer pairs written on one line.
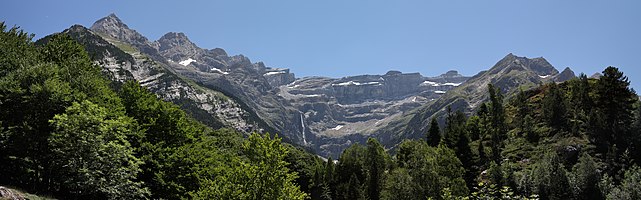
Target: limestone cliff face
[[347, 110], [277, 77], [234, 76], [211, 107]]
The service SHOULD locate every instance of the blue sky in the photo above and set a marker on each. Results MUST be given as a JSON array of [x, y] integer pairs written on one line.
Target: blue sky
[[339, 38]]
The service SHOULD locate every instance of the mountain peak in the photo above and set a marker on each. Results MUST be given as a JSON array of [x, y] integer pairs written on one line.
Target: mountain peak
[[565, 75], [173, 40], [113, 27], [539, 66], [178, 36], [110, 20]]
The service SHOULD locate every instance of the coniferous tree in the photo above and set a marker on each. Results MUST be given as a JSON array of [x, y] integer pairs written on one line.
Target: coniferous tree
[[399, 185], [354, 189], [434, 133], [615, 101], [375, 161], [554, 110], [585, 178], [520, 103], [580, 104], [550, 179], [528, 130], [497, 127]]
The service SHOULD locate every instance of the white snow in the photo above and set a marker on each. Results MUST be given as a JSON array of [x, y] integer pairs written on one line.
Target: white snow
[[337, 127], [435, 84], [219, 71], [452, 84], [414, 99], [310, 95], [439, 92], [187, 62], [430, 83], [357, 83], [544, 76], [274, 73]]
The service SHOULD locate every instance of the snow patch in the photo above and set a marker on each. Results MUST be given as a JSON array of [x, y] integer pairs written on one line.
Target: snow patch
[[274, 73], [452, 84], [186, 62], [337, 127], [357, 83], [545, 76], [219, 71], [435, 84], [430, 83], [439, 92], [309, 95]]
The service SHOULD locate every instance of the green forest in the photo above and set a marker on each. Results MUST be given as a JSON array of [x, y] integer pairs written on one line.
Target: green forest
[[68, 132]]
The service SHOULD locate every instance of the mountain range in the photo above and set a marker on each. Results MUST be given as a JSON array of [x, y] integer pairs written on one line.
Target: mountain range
[[325, 115]]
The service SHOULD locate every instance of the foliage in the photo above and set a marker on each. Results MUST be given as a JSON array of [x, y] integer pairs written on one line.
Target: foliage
[[65, 132], [434, 133], [262, 175], [91, 155]]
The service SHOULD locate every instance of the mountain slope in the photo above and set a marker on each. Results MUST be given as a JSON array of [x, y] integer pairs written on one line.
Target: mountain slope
[[324, 114], [122, 63], [327, 114], [509, 74]]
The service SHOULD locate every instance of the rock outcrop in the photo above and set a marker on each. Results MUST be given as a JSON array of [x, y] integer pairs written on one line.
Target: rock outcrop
[[209, 106], [508, 74], [565, 75], [324, 114]]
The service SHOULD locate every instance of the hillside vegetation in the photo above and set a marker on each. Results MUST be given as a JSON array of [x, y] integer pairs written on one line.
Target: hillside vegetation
[[66, 133], [579, 139]]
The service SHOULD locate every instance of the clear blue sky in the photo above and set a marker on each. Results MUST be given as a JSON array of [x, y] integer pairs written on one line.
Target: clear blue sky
[[339, 38]]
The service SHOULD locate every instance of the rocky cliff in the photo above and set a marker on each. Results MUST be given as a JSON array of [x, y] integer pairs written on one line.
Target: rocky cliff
[[342, 111], [122, 62], [323, 114], [509, 74]]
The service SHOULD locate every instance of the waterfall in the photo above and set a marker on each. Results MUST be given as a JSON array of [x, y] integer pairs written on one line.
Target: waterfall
[[302, 124]]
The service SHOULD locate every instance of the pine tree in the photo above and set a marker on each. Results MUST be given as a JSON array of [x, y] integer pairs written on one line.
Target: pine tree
[[434, 133], [497, 126], [615, 103], [585, 178], [554, 109], [376, 166]]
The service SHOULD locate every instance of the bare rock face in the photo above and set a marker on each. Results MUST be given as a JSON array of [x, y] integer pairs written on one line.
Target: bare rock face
[[347, 110], [565, 75], [113, 27], [508, 74], [209, 106], [277, 77], [234, 76], [6, 193]]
